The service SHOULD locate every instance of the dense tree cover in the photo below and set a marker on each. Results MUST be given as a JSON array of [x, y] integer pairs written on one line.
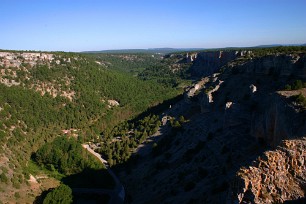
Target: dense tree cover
[[277, 50], [161, 74], [132, 63], [297, 84], [29, 119], [146, 67], [118, 144], [61, 194], [66, 155]]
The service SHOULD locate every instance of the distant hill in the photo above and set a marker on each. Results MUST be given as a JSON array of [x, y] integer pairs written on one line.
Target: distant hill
[[278, 45], [161, 51]]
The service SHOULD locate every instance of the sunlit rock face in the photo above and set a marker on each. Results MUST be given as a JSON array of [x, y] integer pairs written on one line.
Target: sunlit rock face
[[276, 177]]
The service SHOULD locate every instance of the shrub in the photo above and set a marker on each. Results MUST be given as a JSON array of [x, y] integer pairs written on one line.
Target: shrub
[[61, 194], [301, 100], [17, 195], [288, 87], [3, 178], [298, 84]]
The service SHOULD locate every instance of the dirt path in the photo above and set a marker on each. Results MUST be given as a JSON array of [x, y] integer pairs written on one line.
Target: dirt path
[[118, 194]]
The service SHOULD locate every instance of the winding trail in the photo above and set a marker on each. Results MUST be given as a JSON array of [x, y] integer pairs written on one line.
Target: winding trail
[[118, 194]]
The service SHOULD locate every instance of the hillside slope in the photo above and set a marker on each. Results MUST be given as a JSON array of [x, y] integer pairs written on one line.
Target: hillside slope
[[44, 95], [234, 114]]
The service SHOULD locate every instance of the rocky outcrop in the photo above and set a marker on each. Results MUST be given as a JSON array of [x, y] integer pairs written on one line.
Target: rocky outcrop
[[278, 176], [191, 57], [276, 121], [277, 65], [191, 91], [207, 63], [113, 102], [239, 120], [207, 97]]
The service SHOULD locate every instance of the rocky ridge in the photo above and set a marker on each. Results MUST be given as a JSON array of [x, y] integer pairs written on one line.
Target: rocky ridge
[[233, 117], [16, 70]]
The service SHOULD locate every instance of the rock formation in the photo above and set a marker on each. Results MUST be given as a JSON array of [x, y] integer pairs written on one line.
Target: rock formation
[[232, 119], [276, 177], [280, 65], [207, 63]]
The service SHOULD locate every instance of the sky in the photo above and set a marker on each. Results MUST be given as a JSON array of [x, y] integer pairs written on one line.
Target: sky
[[91, 25]]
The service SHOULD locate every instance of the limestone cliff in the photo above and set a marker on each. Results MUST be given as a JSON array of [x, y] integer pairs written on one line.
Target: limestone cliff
[[207, 63], [277, 121], [277, 176], [284, 65], [233, 117]]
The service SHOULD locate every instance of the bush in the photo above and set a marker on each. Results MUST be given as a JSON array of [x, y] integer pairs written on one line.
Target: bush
[[3, 178], [288, 87], [297, 84], [301, 100], [61, 194], [17, 195]]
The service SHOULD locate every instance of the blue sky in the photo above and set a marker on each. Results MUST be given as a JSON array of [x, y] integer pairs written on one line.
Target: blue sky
[[79, 25]]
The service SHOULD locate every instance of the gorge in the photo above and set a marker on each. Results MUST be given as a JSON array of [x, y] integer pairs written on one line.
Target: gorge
[[217, 126]]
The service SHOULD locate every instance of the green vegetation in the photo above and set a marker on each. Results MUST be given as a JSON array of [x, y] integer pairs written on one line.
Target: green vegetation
[[76, 166], [69, 96], [132, 63], [146, 67], [300, 99], [66, 156], [297, 84], [277, 50], [3, 178], [61, 194], [118, 143], [29, 119]]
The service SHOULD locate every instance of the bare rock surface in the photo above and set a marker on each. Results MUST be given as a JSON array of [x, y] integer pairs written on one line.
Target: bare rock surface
[[277, 176], [232, 118]]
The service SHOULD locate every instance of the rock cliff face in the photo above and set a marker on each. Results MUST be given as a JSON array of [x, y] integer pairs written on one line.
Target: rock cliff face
[[234, 117], [278, 176], [207, 63], [276, 121], [279, 65]]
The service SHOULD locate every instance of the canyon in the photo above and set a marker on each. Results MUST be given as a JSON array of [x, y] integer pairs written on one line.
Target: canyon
[[244, 139], [217, 126]]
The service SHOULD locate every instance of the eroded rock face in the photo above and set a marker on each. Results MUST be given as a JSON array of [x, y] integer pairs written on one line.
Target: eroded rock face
[[280, 65], [207, 97], [239, 120], [207, 63], [276, 121], [278, 176], [191, 57]]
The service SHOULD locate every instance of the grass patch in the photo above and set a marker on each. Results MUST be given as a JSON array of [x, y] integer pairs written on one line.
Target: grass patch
[[35, 169]]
